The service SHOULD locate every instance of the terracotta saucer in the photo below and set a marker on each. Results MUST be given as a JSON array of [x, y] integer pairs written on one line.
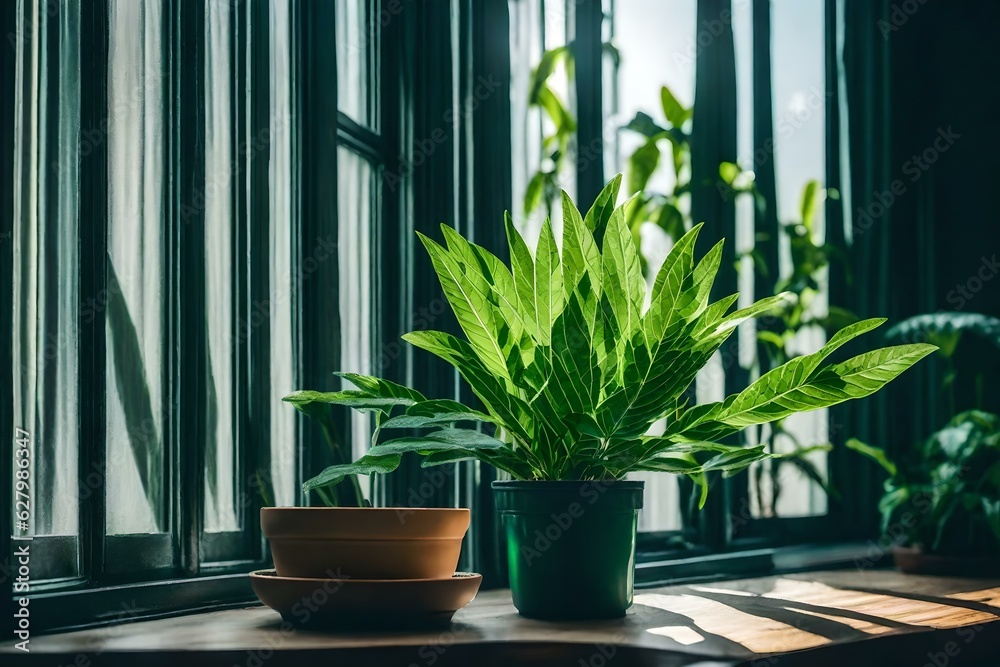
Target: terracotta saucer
[[366, 604]]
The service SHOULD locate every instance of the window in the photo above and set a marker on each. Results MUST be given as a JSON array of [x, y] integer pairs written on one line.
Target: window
[[213, 204], [715, 110]]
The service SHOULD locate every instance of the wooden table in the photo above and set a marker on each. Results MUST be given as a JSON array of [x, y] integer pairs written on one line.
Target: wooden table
[[828, 618]]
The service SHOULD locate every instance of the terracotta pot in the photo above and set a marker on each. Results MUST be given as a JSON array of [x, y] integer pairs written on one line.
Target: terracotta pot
[[913, 560], [364, 542]]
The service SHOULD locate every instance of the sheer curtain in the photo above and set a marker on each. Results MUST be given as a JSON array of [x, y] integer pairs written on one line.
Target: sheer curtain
[[221, 446], [46, 230], [135, 312], [283, 440]]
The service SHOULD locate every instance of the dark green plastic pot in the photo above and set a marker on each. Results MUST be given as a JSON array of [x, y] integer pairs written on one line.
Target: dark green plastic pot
[[570, 546]]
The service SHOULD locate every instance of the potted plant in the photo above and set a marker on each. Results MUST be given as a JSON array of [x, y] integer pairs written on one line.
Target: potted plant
[[573, 366], [347, 535], [941, 505]]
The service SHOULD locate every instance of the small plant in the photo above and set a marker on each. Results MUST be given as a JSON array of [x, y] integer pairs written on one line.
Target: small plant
[[946, 494], [945, 498], [573, 371]]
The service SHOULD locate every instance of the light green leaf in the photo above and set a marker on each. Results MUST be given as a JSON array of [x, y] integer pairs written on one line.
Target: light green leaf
[[508, 409], [359, 400], [674, 111], [874, 453], [599, 215], [810, 198], [549, 297], [789, 390], [464, 288], [522, 273], [579, 251]]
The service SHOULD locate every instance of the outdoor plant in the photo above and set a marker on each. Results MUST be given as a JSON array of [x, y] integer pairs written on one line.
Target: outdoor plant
[[573, 368]]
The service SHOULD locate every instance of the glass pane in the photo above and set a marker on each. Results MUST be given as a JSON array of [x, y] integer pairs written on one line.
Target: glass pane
[[656, 46], [540, 148], [798, 81], [135, 294], [221, 446], [46, 299], [283, 441], [357, 42], [356, 214]]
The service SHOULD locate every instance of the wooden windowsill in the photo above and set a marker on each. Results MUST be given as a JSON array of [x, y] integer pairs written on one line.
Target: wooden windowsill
[[874, 617]]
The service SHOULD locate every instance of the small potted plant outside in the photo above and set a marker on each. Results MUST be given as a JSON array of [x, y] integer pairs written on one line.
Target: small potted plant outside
[[941, 506], [573, 366]]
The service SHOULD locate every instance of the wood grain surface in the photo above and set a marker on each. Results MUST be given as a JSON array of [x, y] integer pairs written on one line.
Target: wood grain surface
[[851, 617]]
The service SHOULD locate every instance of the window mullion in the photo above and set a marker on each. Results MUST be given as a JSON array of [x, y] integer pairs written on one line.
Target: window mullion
[[8, 25], [256, 389], [316, 100], [588, 55], [93, 218], [187, 164]]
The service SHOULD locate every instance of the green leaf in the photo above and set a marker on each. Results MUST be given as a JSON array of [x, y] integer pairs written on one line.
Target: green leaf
[[381, 388], [533, 193], [546, 66], [810, 198], [671, 220], [359, 400], [508, 409], [580, 254], [645, 125], [641, 165], [549, 297], [674, 111], [729, 172], [874, 453], [436, 413], [366, 465], [553, 106], [442, 440], [797, 386], [944, 329], [621, 276], [599, 215], [465, 289], [671, 279]]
